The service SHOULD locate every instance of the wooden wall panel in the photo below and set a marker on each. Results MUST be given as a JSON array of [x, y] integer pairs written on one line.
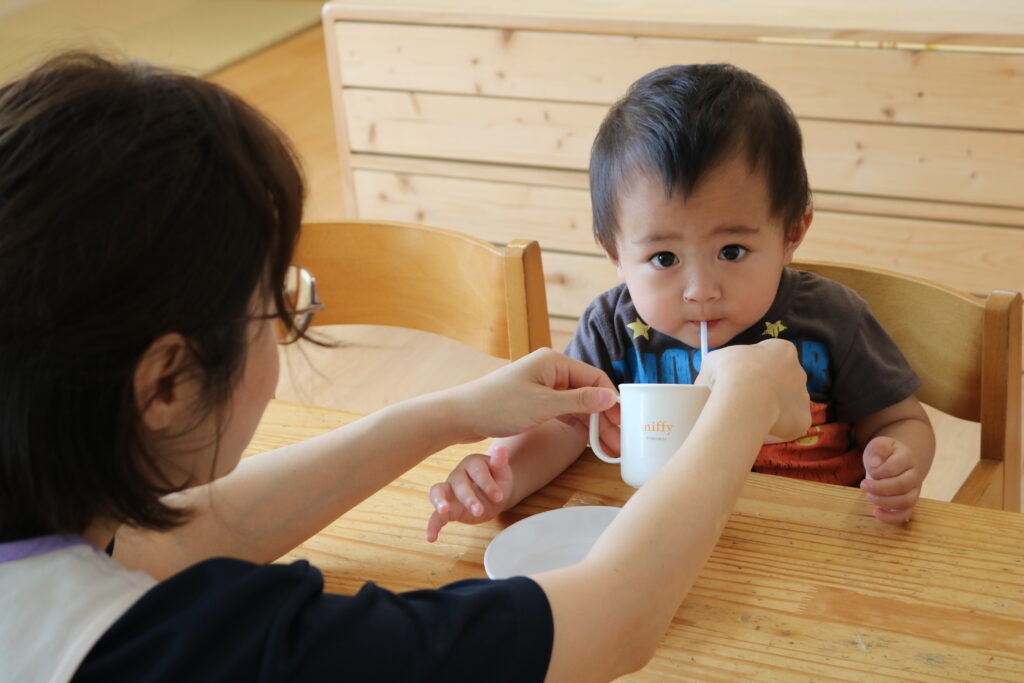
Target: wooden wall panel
[[984, 215], [950, 165], [837, 83], [467, 128], [969, 257]]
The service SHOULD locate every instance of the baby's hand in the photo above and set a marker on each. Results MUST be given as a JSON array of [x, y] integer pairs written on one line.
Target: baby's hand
[[473, 492], [894, 480]]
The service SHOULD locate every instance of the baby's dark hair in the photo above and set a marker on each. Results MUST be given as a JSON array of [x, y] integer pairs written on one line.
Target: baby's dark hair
[[677, 123], [134, 202]]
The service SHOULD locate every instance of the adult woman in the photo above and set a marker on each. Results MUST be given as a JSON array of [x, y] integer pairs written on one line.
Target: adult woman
[[146, 222]]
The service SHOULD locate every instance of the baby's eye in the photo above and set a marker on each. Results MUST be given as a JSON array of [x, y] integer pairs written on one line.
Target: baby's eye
[[664, 259], [732, 252]]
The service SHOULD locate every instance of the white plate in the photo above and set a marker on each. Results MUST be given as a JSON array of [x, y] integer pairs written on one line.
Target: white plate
[[549, 540]]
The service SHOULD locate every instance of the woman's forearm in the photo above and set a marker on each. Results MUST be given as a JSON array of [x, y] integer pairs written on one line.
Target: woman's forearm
[[618, 602], [275, 500]]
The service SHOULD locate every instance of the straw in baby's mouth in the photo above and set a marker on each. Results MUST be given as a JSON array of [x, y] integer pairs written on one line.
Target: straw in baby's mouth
[[703, 340]]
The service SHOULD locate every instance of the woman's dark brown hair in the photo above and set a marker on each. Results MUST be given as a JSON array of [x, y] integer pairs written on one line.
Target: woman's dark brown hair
[[134, 202]]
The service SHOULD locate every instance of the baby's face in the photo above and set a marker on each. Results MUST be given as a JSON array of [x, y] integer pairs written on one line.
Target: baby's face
[[717, 256]]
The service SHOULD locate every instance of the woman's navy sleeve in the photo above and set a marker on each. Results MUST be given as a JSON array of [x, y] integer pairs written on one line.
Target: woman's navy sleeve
[[229, 620]]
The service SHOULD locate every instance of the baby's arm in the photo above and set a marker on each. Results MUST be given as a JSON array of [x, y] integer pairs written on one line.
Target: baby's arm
[[899, 445], [482, 486]]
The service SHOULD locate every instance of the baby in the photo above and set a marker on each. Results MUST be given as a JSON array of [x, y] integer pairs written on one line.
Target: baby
[[700, 199]]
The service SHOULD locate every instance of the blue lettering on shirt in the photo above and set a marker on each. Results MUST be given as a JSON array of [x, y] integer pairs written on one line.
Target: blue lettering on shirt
[[638, 368], [681, 366], [814, 360], [676, 366]]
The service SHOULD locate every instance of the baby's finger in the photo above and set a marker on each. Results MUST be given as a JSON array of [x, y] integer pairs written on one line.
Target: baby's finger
[[893, 516], [479, 473], [901, 502], [501, 471], [892, 486], [895, 465], [441, 497], [877, 452], [466, 493], [434, 525]]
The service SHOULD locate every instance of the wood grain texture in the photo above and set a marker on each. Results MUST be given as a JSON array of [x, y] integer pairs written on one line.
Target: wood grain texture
[[882, 207], [871, 23], [969, 257], [1001, 392], [939, 164], [288, 83], [429, 279], [373, 366], [803, 584], [921, 87]]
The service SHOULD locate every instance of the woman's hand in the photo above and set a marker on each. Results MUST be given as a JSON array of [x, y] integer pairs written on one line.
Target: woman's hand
[[534, 389], [768, 369]]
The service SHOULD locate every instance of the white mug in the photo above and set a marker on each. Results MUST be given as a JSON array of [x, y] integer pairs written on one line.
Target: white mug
[[656, 419]]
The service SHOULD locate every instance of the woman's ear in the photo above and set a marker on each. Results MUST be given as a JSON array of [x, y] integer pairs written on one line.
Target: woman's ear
[[160, 394], [796, 236]]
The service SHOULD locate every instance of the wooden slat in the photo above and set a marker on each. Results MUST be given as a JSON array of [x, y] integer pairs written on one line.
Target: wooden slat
[[983, 487], [873, 23], [924, 163], [885, 160], [913, 208], [1001, 393], [559, 218], [301, 107], [900, 86], [472, 128], [573, 280], [823, 201]]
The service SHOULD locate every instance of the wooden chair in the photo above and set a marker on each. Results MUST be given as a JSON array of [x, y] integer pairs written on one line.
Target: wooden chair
[[968, 355], [404, 275]]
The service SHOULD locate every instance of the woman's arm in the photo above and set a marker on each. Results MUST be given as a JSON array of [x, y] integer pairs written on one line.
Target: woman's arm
[[273, 501], [611, 609]]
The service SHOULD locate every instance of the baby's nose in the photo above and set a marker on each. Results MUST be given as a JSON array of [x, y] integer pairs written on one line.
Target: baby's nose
[[701, 288]]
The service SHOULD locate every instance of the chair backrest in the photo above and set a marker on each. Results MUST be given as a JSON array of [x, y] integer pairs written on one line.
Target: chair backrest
[[968, 355], [404, 275]]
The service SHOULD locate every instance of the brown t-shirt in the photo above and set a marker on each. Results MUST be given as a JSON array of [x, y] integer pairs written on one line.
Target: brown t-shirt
[[854, 369]]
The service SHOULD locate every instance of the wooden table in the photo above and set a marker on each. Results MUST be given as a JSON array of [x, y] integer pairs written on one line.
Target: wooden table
[[803, 585]]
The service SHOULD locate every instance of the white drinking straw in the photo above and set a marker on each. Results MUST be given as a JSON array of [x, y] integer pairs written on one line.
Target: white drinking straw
[[703, 340]]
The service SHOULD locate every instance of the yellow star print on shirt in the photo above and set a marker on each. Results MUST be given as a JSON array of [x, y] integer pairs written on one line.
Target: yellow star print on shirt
[[774, 329], [639, 329]]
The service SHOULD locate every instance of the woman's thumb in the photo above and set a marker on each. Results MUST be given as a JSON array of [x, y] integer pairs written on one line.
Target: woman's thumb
[[592, 399]]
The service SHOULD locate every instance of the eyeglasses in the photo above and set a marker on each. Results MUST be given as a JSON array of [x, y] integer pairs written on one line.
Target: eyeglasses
[[303, 303], [300, 295]]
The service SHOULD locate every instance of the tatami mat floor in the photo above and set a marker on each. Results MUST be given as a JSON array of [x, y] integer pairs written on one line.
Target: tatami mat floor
[[200, 36]]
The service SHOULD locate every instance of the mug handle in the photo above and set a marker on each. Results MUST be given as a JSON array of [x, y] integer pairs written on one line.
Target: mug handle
[[595, 438]]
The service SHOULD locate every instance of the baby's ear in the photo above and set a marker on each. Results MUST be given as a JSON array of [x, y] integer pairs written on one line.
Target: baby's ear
[[796, 235]]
